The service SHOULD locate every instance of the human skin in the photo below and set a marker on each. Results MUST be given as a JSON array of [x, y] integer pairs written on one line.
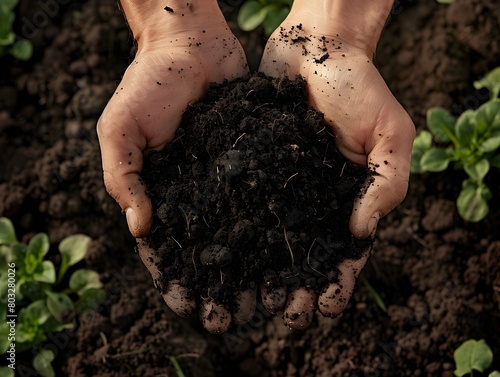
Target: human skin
[[331, 44], [185, 47]]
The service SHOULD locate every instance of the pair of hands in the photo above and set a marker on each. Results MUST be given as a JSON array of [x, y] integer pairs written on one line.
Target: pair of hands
[[190, 46]]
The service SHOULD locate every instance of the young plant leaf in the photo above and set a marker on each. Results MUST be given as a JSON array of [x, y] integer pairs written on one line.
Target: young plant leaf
[[251, 15], [82, 280], [465, 128], [45, 273], [177, 367], [7, 232], [495, 373], [4, 337], [73, 250], [477, 171], [274, 18], [91, 299], [22, 50], [421, 144], [436, 159], [490, 81], [38, 247], [495, 161], [60, 306], [43, 363], [7, 372], [472, 202], [472, 355], [441, 123]]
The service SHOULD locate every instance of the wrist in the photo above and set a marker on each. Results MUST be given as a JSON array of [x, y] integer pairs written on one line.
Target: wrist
[[358, 23], [155, 25]]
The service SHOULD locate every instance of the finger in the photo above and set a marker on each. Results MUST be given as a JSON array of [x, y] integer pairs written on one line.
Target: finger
[[178, 298], [273, 295], [390, 159], [300, 308], [245, 306], [215, 317], [334, 298], [122, 157]]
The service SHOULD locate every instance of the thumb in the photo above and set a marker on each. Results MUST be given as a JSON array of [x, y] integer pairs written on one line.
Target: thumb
[[390, 160], [122, 144]]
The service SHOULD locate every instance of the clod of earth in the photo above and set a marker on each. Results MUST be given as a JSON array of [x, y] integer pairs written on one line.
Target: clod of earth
[[252, 190]]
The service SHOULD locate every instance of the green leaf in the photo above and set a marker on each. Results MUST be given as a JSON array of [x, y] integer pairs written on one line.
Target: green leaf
[[60, 306], [91, 299], [7, 372], [421, 144], [441, 123], [7, 6], [446, 2], [274, 19], [177, 367], [487, 116], [465, 128], [22, 50], [251, 15], [73, 250], [478, 170], [378, 300], [82, 280], [436, 159], [43, 363], [490, 145], [45, 273], [495, 373], [37, 249], [490, 81], [472, 355], [472, 202], [7, 232]]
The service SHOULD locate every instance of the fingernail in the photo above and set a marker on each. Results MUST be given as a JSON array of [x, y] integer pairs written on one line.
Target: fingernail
[[372, 223], [133, 223]]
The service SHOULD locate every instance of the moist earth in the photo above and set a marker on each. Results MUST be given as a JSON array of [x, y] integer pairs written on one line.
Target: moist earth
[[438, 276], [250, 185]]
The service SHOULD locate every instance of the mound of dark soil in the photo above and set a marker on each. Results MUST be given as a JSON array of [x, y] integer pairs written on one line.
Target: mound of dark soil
[[252, 183]]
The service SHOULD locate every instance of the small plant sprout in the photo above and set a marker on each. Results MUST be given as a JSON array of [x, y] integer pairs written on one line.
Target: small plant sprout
[[470, 142], [473, 355], [43, 304], [268, 13], [21, 49]]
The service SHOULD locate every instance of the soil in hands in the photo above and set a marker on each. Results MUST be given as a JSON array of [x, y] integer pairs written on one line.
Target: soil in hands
[[252, 190]]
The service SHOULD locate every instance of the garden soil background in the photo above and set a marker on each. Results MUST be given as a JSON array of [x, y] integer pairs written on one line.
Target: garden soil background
[[438, 276]]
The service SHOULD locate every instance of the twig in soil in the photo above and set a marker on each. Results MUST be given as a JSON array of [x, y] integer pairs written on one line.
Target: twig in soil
[[343, 167], [238, 139], [221, 277], [187, 221], [293, 175], [309, 264], [194, 264], [177, 242], [289, 247], [205, 220], [258, 107]]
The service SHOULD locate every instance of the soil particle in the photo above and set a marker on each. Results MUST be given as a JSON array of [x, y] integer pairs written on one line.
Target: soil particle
[[251, 182]]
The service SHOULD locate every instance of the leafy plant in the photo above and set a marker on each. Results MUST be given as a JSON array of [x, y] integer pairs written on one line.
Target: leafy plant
[[21, 49], [473, 355], [268, 13], [31, 288], [470, 142]]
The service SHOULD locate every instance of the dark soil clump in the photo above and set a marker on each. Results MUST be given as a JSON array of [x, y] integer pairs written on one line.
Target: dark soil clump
[[253, 189]]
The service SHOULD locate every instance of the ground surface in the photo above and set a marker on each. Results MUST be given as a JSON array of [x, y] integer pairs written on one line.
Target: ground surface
[[438, 276]]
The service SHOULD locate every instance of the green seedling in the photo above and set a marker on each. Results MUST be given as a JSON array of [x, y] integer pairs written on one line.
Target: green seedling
[[177, 367], [378, 300], [21, 49], [268, 13], [44, 301], [445, 1], [473, 355], [470, 142]]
